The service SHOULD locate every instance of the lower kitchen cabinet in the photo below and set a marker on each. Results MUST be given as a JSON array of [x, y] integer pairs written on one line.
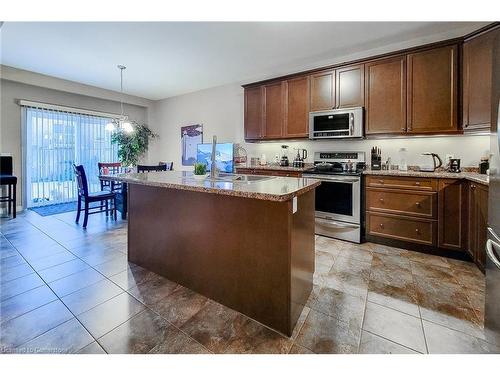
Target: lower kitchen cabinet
[[441, 213], [268, 172], [478, 223], [452, 214]]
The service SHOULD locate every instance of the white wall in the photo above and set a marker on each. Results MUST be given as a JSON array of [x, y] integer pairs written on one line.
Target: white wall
[[220, 110]]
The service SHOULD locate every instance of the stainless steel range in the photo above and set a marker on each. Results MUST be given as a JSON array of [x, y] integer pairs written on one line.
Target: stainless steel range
[[338, 198]]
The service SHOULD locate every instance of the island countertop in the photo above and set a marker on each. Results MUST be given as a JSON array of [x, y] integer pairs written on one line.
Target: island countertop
[[268, 188]]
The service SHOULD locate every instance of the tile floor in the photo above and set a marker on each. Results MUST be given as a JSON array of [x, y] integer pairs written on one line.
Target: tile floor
[[65, 290]]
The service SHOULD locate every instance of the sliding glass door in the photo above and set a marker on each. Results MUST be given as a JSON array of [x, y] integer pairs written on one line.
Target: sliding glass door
[[55, 141]]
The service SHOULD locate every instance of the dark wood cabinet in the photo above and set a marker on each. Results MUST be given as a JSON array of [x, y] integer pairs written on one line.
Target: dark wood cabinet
[[297, 107], [253, 112], [269, 172], [350, 86], [322, 90], [452, 214], [477, 80], [478, 223], [273, 110], [432, 90], [385, 96]]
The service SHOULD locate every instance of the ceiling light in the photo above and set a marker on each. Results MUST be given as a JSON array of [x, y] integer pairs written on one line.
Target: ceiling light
[[122, 122]]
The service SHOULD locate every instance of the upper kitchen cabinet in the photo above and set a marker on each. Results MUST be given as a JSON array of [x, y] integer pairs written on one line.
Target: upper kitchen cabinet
[[385, 87], [432, 90], [350, 86], [322, 90], [253, 112], [274, 110], [477, 76], [297, 107]]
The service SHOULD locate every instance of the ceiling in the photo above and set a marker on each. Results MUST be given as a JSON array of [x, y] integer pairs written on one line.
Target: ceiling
[[165, 59]]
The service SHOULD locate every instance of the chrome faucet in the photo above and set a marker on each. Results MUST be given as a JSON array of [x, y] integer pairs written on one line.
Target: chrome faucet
[[214, 173]]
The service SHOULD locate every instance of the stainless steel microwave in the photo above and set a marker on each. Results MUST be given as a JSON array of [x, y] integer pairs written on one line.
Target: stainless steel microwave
[[336, 123]]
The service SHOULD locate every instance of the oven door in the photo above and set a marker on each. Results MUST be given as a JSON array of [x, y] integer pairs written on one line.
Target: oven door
[[338, 198]]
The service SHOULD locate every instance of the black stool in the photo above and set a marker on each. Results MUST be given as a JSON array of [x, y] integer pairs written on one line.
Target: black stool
[[7, 178]]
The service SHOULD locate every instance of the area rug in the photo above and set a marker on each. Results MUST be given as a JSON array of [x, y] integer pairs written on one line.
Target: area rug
[[54, 209]]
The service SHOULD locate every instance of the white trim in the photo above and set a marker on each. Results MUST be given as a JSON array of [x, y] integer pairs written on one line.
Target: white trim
[[55, 107]]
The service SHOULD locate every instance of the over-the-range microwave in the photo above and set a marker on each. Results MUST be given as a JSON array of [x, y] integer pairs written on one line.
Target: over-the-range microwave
[[336, 123]]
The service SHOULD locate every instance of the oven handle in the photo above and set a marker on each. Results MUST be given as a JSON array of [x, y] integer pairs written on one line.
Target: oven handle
[[335, 179], [336, 224]]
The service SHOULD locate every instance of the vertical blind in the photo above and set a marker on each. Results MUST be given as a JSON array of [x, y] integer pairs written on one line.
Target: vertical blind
[[55, 140]]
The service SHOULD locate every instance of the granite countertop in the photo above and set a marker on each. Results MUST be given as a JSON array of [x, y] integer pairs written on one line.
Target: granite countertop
[[269, 188], [271, 167], [471, 176]]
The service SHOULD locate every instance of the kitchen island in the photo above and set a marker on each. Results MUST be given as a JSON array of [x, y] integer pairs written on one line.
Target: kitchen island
[[246, 242]]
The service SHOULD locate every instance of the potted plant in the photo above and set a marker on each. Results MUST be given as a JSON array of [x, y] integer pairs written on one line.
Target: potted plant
[[132, 145], [200, 171]]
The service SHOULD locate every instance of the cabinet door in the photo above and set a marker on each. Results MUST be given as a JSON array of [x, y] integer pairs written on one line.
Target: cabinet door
[[482, 225], [322, 87], [273, 110], [253, 112], [385, 83], [452, 214], [297, 107], [477, 76], [472, 236], [350, 86], [432, 91]]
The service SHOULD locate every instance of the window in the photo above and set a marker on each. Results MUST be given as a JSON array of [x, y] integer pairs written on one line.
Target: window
[[55, 140]]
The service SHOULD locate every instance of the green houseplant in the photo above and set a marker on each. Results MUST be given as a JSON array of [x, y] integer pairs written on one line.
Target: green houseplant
[[200, 171], [131, 146]]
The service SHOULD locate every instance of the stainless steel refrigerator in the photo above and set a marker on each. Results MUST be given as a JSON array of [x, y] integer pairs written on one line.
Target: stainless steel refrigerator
[[492, 308]]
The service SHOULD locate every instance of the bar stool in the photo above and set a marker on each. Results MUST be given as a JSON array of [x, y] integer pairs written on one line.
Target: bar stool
[[7, 178]]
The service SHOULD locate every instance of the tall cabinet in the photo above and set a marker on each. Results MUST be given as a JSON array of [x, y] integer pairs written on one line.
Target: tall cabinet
[[477, 76], [432, 90]]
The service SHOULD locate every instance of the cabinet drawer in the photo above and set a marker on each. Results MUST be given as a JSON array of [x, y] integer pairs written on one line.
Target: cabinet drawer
[[406, 202], [417, 230], [394, 182]]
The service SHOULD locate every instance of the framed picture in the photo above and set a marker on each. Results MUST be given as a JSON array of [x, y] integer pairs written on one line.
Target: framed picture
[[191, 135]]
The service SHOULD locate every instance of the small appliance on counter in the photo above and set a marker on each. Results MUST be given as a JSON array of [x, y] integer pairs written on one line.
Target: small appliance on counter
[[429, 162], [454, 166], [300, 158], [284, 162], [240, 156], [484, 165], [263, 159], [376, 158]]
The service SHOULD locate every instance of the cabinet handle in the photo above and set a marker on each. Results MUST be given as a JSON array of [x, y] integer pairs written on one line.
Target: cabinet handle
[[380, 181], [381, 225], [417, 204], [473, 186], [417, 231], [417, 183], [381, 199]]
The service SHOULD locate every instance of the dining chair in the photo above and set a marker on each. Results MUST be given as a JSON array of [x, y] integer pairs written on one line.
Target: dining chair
[[109, 168], [84, 196], [152, 168], [7, 178], [169, 164]]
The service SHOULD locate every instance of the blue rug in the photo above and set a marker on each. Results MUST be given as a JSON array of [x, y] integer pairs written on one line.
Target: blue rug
[[54, 209]]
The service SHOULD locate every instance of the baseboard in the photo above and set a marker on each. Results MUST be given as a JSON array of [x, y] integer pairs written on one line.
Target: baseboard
[[419, 248]]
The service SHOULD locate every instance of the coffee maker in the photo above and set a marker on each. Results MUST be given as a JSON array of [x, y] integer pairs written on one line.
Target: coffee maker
[[300, 158]]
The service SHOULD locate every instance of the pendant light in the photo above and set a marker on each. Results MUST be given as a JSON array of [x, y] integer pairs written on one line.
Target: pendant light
[[123, 121]]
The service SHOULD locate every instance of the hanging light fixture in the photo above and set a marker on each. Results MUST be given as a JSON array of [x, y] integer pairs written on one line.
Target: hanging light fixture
[[123, 121]]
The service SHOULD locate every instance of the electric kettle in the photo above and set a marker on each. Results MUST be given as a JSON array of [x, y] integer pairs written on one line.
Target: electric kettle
[[429, 162]]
